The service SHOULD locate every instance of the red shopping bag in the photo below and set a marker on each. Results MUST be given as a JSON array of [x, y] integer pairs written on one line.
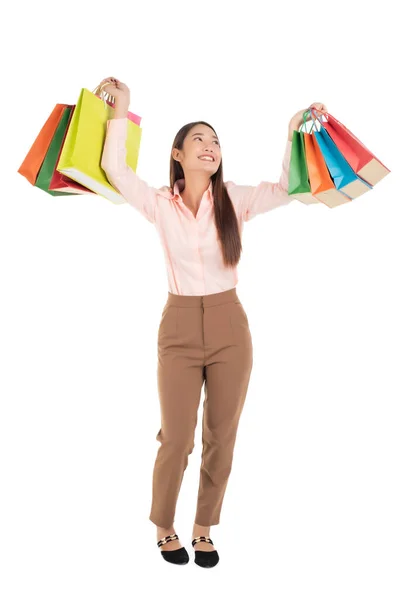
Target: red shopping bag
[[363, 161]]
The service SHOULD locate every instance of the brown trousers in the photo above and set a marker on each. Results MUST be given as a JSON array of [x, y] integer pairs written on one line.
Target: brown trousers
[[201, 339]]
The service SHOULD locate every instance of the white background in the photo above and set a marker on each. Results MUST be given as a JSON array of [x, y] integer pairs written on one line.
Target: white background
[[311, 508]]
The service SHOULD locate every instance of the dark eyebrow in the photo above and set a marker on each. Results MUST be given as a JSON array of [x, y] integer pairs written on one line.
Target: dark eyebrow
[[214, 136]]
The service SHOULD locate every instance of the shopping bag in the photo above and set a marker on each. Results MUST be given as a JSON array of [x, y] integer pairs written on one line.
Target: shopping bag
[[80, 158], [49, 164], [34, 159], [299, 185], [345, 179], [321, 183], [362, 161], [62, 183]]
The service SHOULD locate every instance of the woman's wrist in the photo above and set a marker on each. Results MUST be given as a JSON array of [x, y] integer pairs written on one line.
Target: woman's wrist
[[121, 109]]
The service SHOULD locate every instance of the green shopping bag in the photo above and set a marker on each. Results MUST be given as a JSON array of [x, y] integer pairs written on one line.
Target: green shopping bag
[[80, 157], [50, 160], [299, 184]]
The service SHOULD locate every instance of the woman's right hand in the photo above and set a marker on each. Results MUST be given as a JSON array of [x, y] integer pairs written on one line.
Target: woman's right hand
[[116, 88]]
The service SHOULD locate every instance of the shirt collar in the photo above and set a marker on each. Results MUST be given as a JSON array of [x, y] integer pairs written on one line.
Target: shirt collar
[[179, 185]]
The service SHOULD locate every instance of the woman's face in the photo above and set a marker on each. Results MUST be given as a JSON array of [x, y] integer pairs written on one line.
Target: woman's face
[[200, 140]]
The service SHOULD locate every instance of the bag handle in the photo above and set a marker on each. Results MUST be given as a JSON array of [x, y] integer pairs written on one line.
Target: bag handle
[[98, 91], [311, 110], [305, 114]]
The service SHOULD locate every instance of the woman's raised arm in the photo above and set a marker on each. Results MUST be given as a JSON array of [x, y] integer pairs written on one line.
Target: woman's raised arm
[[252, 200], [134, 190], [249, 200]]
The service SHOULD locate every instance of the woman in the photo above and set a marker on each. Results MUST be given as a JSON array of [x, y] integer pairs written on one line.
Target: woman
[[204, 334]]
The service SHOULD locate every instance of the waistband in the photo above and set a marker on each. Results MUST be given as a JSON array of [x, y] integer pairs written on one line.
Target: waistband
[[207, 300]]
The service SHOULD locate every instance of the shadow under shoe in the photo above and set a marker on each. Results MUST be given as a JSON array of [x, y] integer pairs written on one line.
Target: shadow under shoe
[[202, 557], [178, 556]]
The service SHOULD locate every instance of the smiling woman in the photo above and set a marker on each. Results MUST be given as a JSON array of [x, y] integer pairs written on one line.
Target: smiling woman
[[196, 162], [203, 146], [204, 335]]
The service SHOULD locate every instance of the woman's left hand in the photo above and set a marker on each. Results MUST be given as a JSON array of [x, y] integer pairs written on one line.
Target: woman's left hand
[[297, 119]]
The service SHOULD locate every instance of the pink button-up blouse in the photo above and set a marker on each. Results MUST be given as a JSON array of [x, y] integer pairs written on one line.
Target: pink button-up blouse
[[192, 253]]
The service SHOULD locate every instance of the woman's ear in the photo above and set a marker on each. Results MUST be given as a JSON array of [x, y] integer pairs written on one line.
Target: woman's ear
[[175, 154]]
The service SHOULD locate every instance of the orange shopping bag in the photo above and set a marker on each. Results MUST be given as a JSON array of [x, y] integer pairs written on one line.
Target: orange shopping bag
[[321, 183], [35, 157]]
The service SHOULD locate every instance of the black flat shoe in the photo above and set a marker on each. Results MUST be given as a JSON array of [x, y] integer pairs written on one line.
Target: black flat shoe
[[178, 556], [202, 557]]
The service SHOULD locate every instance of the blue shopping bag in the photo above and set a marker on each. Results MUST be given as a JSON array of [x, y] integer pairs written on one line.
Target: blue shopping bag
[[345, 178]]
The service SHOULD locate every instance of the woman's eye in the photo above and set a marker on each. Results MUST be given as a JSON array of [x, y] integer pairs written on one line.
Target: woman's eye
[[199, 138]]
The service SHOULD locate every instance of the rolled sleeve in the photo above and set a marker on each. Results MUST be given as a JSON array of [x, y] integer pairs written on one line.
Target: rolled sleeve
[[133, 189], [255, 200]]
